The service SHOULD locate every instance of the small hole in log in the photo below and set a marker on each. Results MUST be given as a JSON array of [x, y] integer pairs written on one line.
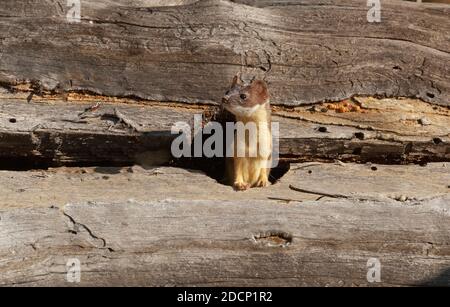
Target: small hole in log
[[437, 141], [397, 67], [13, 120], [359, 135], [216, 167], [278, 172], [322, 129], [273, 238], [430, 95], [374, 168], [310, 172]]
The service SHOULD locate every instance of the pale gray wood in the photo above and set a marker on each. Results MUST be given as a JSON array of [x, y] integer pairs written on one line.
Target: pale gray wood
[[187, 243], [58, 186], [51, 132], [308, 51], [166, 226]]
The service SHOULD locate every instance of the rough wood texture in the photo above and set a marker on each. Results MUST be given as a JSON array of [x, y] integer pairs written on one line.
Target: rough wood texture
[[318, 225], [308, 50], [51, 132], [56, 134], [381, 130], [116, 184], [214, 236]]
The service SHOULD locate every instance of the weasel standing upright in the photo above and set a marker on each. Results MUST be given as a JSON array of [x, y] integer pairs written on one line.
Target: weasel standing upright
[[250, 104]]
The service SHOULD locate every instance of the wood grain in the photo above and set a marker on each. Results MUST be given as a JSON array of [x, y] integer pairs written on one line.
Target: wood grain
[[103, 94], [216, 237], [51, 132], [121, 184], [308, 51]]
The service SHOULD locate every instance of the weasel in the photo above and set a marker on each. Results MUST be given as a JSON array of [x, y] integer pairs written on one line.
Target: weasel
[[250, 103]]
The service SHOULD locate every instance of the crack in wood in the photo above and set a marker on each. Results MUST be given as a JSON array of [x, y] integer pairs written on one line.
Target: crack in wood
[[74, 228]]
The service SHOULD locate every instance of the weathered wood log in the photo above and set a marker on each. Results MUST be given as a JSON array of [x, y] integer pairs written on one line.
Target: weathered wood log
[[56, 134], [309, 51], [50, 132], [214, 236], [117, 184], [384, 131]]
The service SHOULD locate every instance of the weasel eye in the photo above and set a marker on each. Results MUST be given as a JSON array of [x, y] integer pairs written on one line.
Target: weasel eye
[[243, 96]]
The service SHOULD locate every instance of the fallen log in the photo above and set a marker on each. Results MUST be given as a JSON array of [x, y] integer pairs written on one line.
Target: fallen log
[[204, 234], [308, 51], [52, 133]]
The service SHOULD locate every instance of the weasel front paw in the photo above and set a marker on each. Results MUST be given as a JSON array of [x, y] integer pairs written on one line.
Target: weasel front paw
[[241, 186], [262, 183]]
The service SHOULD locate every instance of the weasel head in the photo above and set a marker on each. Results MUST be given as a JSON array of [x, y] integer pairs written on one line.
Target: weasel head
[[243, 100]]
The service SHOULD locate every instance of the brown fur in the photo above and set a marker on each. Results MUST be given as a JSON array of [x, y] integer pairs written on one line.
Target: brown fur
[[250, 103]]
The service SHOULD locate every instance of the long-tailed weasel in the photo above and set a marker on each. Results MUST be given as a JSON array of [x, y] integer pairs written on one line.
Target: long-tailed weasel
[[250, 103]]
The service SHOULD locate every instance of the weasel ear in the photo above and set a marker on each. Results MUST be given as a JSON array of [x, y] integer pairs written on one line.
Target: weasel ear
[[237, 80], [260, 88]]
